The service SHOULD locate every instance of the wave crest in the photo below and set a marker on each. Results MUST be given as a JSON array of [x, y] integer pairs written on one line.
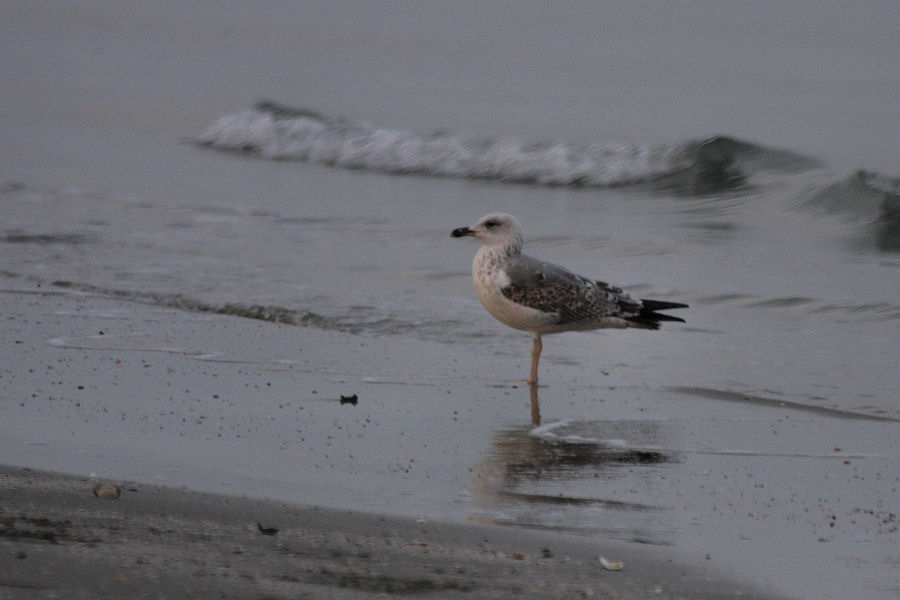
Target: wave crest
[[278, 132]]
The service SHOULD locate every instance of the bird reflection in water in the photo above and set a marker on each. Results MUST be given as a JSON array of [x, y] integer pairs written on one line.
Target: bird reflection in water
[[572, 475], [535, 404]]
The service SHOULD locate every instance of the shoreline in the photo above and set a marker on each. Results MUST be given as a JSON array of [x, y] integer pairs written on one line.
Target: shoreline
[[693, 489], [57, 537]]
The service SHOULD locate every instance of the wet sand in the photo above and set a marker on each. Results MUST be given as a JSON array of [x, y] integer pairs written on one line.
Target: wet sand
[[702, 493], [58, 540], [98, 386]]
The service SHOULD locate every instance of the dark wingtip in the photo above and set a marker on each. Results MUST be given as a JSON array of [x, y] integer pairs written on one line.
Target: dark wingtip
[[662, 317], [657, 305], [650, 318]]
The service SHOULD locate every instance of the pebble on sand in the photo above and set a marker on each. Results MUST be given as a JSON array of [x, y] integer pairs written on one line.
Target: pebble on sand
[[107, 491]]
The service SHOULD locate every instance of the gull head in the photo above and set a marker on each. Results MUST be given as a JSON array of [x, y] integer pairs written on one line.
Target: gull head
[[495, 229]]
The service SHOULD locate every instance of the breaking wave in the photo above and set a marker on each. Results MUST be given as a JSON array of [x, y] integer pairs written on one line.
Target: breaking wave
[[278, 132], [870, 196]]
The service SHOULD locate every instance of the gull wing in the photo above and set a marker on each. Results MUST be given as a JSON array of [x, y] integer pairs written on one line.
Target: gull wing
[[554, 289]]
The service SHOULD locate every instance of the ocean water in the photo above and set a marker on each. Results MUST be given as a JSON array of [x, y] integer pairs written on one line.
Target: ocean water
[[305, 165]]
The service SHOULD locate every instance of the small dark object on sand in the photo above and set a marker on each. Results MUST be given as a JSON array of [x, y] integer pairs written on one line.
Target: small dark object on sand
[[266, 530], [354, 399], [107, 491]]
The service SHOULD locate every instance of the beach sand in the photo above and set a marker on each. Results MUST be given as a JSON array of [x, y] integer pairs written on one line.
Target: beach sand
[[123, 392], [57, 539], [434, 482]]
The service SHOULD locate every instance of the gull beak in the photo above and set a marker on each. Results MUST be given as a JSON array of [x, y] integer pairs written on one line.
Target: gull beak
[[461, 232]]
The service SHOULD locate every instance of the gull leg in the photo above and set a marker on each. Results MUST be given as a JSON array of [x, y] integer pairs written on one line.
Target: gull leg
[[535, 357]]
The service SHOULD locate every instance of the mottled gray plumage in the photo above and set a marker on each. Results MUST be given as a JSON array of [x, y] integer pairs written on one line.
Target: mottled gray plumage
[[554, 289]]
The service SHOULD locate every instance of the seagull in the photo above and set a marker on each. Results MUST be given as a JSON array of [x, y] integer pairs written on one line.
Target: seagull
[[539, 297]]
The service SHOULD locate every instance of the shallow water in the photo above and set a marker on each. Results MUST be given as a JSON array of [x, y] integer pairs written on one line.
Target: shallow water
[[767, 272], [702, 156]]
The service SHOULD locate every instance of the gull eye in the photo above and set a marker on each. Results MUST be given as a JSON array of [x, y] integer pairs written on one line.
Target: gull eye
[[490, 224]]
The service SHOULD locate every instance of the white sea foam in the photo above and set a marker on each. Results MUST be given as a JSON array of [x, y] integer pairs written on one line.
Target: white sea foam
[[548, 431], [281, 133]]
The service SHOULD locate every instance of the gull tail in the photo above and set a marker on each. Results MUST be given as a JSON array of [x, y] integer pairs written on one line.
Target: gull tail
[[649, 318]]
